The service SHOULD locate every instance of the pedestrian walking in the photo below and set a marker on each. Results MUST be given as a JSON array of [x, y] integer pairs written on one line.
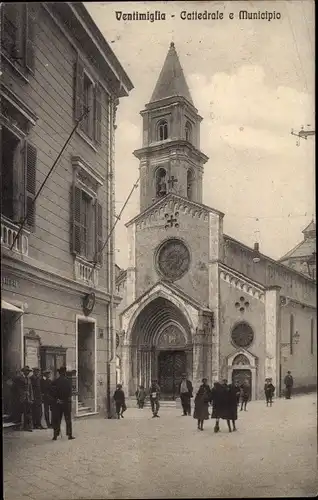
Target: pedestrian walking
[[24, 396], [269, 390], [185, 393], [154, 394], [245, 394], [289, 382], [231, 406], [46, 397], [141, 396], [201, 403], [61, 392], [119, 398], [224, 404], [237, 392], [37, 399]]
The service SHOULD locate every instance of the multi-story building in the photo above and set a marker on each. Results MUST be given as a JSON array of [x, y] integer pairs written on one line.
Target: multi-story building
[[58, 294]]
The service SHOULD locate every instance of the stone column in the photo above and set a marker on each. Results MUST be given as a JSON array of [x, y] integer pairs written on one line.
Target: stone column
[[272, 335], [198, 359], [125, 363]]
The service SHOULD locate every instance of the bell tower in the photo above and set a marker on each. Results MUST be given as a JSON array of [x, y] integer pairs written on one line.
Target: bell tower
[[170, 157]]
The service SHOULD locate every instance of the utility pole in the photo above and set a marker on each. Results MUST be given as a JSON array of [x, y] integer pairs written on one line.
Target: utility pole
[[303, 134]]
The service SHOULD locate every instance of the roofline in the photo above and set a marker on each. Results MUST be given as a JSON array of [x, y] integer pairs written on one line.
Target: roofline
[[79, 9], [277, 262], [286, 256], [169, 195], [257, 284]]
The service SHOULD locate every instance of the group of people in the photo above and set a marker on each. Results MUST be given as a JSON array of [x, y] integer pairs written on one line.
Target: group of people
[[224, 399], [36, 394]]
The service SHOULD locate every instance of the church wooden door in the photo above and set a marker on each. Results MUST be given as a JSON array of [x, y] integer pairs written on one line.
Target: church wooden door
[[171, 365], [239, 376]]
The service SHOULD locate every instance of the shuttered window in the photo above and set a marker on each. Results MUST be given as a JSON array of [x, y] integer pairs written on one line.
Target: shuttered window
[[87, 222], [88, 97], [18, 21], [30, 156]]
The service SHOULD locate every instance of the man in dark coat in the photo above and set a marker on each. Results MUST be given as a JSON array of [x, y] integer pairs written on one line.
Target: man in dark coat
[[154, 395], [46, 396], [186, 393], [224, 402], [119, 398], [37, 399], [245, 394], [24, 395], [61, 391], [289, 382]]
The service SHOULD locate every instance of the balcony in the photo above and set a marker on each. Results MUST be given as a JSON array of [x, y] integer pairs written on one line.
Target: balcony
[[84, 272], [9, 230]]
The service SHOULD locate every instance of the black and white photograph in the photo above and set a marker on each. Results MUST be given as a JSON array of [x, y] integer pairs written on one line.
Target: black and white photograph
[[158, 249]]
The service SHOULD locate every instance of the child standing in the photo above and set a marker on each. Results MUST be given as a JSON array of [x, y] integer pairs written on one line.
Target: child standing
[[269, 391], [119, 398]]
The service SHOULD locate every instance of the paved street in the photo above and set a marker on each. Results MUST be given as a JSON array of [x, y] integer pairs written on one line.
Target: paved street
[[273, 453]]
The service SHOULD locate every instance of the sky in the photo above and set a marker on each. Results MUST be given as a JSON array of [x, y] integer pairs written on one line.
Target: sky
[[252, 81]]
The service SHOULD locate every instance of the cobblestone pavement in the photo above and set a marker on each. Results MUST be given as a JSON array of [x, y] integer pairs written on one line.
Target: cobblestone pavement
[[273, 453]]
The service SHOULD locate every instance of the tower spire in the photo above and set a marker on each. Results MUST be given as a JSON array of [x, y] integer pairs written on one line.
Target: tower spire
[[171, 81]]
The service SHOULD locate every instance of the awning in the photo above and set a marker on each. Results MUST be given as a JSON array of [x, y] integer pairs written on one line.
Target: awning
[[10, 307]]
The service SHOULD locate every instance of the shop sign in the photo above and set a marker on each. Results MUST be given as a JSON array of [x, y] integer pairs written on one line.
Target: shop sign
[[6, 281]]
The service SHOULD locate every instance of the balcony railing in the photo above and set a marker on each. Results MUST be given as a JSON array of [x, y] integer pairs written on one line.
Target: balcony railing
[[84, 272], [9, 230]]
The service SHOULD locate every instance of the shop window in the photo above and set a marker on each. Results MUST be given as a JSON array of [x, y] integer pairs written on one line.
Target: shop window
[[52, 358]]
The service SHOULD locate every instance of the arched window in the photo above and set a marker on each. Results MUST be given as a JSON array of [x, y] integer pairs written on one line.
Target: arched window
[[161, 182], [190, 182], [162, 130], [291, 333], [188, 132], [240, 359]]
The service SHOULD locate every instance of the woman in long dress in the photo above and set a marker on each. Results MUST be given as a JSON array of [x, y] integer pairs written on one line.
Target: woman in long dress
[[201, 404]]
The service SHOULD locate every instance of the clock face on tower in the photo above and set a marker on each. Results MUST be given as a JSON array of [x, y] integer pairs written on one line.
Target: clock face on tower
[[173, 259]]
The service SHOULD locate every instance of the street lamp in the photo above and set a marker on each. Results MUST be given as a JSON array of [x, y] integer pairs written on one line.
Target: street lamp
[[311, 264], [256, 254]]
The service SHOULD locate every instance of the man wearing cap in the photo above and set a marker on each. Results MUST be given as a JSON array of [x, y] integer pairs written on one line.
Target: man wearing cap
[[186, 393], [46, 396], [37, 399], [61, 390], [24, 398]]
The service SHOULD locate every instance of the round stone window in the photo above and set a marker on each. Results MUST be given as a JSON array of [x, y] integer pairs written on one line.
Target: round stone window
[[173, 259], [242, 335]]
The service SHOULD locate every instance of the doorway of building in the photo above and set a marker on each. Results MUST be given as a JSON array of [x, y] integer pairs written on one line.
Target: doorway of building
[[171, 365], [86, 366], [240, 375]]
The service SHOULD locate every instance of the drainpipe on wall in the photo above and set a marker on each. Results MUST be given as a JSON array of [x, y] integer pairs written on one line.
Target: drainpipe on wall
[[111, 375]]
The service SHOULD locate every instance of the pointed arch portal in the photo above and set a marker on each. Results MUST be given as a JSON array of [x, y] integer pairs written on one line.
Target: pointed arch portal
[[160, 347]]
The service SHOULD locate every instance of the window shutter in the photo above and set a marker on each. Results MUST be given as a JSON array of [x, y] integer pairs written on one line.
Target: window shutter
[[30, 36], [76, 198], [98, 114], [99, 232], [78, 89], [30, 156]]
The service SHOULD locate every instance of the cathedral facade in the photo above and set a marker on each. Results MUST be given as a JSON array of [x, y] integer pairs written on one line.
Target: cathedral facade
[[194, 299]]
